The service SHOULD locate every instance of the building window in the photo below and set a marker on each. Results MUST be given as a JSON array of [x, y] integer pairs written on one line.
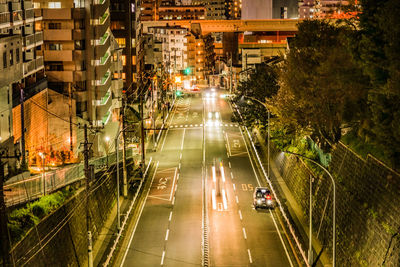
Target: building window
[[283, 12], [123, 76], [11, 58], [133, 60], [79, 44], [54, 26], [17, 55], [123, 60], [121, 42], [117, 25], [5, 60], [55, 46], [54, 5]]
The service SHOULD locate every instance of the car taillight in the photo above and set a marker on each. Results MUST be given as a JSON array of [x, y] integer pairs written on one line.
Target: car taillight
[[268, 197]]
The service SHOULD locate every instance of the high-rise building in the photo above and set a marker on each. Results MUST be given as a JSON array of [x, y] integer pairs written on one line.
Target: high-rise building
[[81, 58], [21, 66], [269, 9], [123, 28], [233, 9], [321, 9]]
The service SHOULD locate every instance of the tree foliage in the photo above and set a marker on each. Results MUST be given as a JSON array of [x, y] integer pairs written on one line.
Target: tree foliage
[[380, 58], [322, 89]]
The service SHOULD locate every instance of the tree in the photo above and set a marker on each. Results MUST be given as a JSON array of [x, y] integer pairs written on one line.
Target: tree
[[379, 56], [322, 89], [262, 83]]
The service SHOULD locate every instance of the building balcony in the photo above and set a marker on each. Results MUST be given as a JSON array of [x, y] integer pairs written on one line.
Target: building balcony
[[100, 9], [78, 55], [79, 76], [57, 13], [60, 76], [3, 7], [102, 110], [101, 28], [28, 41], [58, 55], [116, 87], [15, 6], [27, 4], [38, 14], [29, 14], [57, 35], [17, 17], [104, 84], [78, 34], [38, 38], [78, 13]]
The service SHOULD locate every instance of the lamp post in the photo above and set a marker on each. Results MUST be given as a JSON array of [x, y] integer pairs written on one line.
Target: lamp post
[[268, 138], [334, 205], [107, 148]]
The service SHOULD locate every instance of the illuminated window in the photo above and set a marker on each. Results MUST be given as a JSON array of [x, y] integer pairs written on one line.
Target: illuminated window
[[123, 60], [133, 42], [121, 42], [133, 60], [54, 5], [116, 75], [117, 25], [123, 76]]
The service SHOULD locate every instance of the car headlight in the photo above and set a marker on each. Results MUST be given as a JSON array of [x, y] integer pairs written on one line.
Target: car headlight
[[259, 201], [269, 202]]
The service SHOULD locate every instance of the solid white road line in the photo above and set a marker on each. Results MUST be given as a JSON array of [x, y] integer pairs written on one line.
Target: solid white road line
[[244, 233], [280, 237], [162, 257], [170, 216], [137, 222], [214, 201], [166, 235], [183, 138], [224, 199], [240, 215], [250, 259]]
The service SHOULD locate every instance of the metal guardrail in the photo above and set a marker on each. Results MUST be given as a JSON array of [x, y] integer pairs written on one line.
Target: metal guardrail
[[36, 186], [286, 218]]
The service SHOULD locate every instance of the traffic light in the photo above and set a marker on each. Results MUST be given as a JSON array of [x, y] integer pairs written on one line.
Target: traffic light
[[187, 71], [178, 93]]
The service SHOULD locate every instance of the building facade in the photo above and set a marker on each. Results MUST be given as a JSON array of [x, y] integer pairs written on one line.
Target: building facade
[[270, 9]]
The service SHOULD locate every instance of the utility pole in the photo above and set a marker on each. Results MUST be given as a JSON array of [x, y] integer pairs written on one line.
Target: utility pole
[[5, 244], [125, 172], [230, 78], [142, 130], [153, 113], [71, 148], [23, 160], [87, 176]]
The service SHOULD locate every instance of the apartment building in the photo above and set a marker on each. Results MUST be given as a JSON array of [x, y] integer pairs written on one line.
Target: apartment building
[[21, 67], [321, 9], [184, 12], [82, 60], [233, 9], [123, 27], [173, 46], [270, 9]]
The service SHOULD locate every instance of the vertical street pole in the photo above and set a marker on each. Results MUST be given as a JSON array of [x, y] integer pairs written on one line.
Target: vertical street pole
[[5, 245], [125, 173], [142, 132], [118, 207], [70, 117], [269, 126], [87, 176], [310, 253], [153, 114], [23, 160]]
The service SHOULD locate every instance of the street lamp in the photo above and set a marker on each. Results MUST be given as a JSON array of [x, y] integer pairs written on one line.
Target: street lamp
[[107, 148], [334, 206], [268, 138], [41, 154]]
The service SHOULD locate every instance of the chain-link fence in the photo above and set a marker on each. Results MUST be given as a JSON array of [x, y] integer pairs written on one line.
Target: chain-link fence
[[33, 187]]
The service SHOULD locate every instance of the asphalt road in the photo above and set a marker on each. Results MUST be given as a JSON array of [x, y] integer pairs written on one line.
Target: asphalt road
[[199, 207]]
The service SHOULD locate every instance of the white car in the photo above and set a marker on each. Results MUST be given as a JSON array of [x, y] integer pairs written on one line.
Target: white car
[[262, 198]]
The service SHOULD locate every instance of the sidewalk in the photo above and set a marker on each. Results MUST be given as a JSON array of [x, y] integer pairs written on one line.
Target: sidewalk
[[295, 210]]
